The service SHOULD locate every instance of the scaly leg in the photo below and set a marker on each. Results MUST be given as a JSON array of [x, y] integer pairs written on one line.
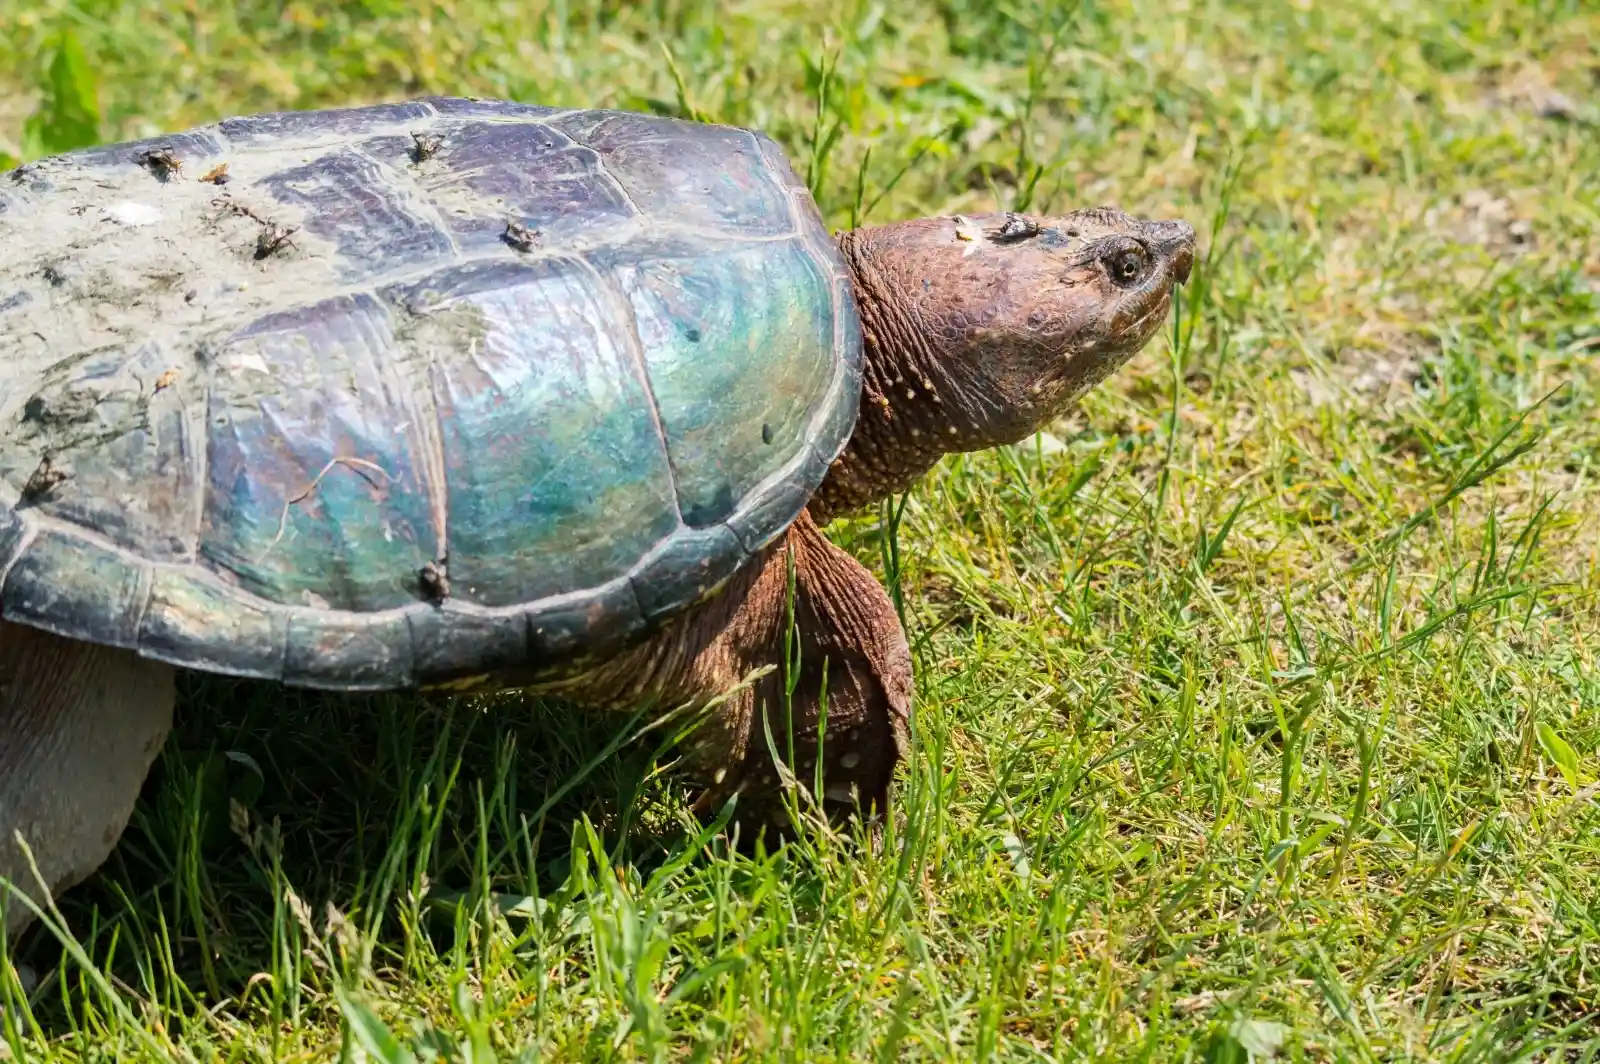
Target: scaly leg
[[847, 626], [80, 726]]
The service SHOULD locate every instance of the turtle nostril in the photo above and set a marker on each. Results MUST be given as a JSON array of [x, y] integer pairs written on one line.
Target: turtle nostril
[[1174, 241]]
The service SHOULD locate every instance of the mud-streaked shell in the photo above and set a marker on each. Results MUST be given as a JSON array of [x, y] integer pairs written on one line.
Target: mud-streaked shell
[[421, 390]]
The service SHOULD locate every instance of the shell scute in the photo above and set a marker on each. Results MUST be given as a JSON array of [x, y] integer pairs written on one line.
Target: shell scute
[[353, 653], [689, 567], [317, 494], [188, 147], [375, 224], [501, 110], [728, 427], [194, 619], [558, 478], [76, 589], [451, 641], [118, 425], [287, 127], [691, 174], [585, 627]]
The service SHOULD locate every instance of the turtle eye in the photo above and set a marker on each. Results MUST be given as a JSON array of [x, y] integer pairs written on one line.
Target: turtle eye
[[1125, 264]]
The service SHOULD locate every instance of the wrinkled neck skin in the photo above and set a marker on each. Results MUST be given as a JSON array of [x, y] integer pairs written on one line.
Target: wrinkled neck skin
[[913, 411], [946, 369]]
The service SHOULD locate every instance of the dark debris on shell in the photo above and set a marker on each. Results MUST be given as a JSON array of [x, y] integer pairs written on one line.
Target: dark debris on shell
[[272, 238], [520, 237], [160, 161], [425, 146]]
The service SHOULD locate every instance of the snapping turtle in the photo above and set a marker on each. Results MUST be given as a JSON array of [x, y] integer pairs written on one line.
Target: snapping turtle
[[450, 393]]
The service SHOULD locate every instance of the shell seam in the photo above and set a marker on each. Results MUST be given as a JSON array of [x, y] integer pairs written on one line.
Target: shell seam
[[635, 344], [604, 170], [796, 228], [425, 209], [437, 475], [202, 466], [30, 533], [147, 586]]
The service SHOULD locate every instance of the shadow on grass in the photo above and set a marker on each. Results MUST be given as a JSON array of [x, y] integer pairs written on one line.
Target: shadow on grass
[[272, 805]]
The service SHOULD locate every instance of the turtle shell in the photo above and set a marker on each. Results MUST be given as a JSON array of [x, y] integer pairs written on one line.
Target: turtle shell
[[385, 396]]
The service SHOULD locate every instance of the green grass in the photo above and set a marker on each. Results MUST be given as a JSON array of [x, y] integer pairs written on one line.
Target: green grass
[[1258, 701]]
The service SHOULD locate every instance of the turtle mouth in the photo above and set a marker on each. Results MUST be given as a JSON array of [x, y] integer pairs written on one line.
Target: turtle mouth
[[1097, 361], [1138, 331], [1125, 336]]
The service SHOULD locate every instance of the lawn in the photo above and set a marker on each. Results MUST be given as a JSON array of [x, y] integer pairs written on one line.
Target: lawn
[[1258, 713]]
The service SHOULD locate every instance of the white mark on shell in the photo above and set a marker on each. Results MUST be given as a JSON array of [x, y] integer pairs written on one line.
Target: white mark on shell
[[971, 234], [130, 213], [246, 361], [850, 760]]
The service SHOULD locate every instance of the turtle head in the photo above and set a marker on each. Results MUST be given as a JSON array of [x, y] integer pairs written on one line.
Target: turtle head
[[981, 329], [1033, 312]]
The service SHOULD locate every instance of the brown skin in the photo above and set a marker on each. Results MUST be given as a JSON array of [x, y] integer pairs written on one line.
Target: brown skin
[[979, 332]]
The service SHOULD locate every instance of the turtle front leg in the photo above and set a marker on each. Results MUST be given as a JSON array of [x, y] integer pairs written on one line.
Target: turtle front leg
[[852, 656], [852, 683], [80, 726]]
